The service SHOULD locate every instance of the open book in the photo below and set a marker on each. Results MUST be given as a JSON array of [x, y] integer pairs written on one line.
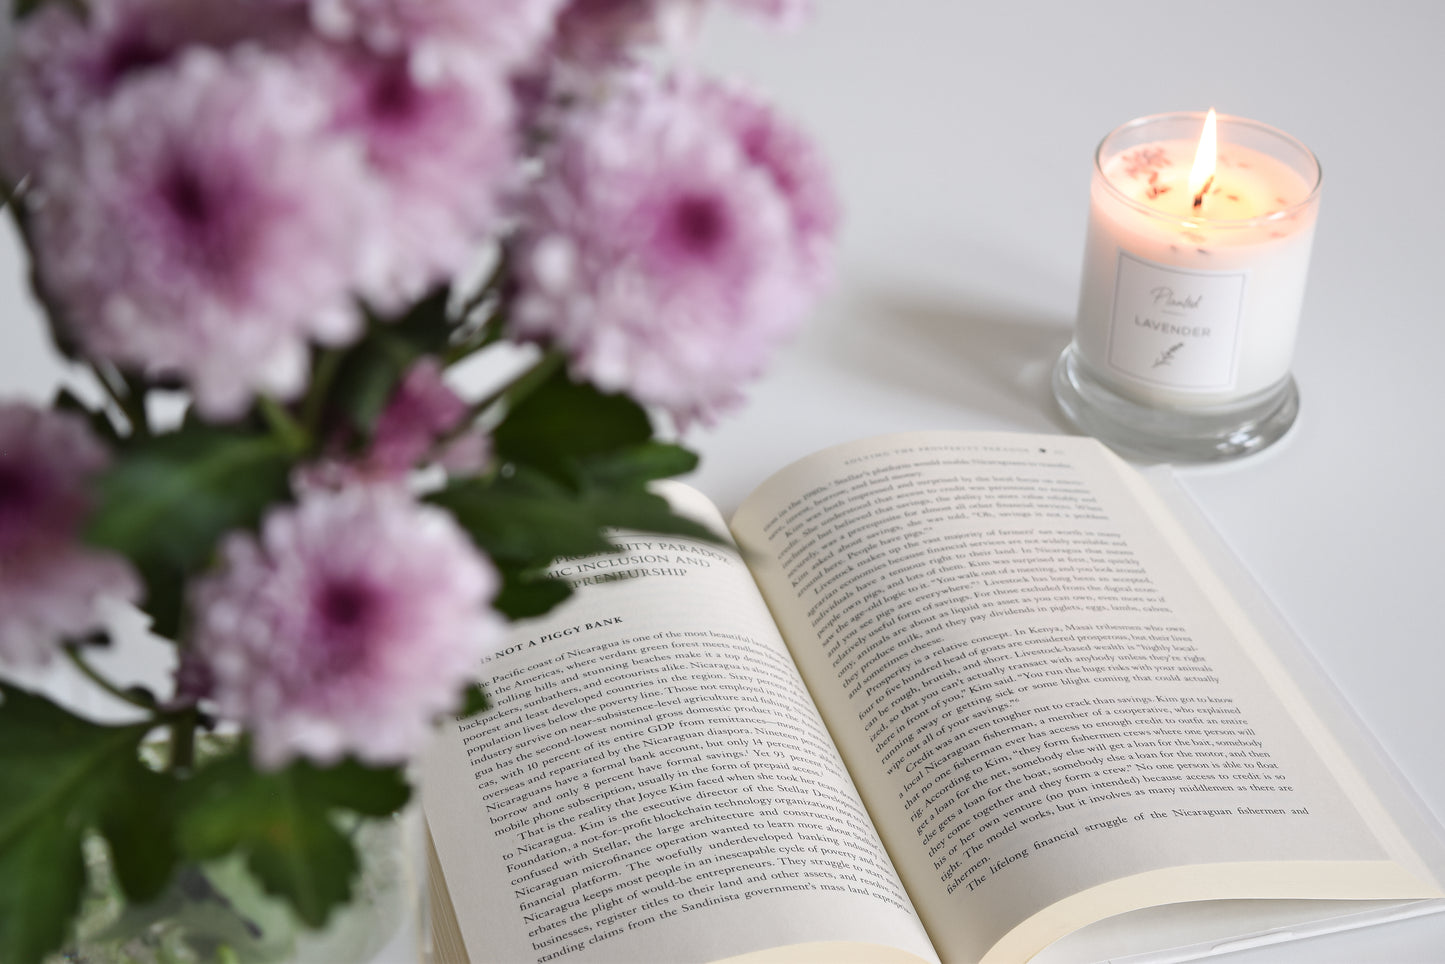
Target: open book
[[970, 697]]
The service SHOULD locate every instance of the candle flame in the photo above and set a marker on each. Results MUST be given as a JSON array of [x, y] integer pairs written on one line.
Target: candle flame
[[1201, 177]]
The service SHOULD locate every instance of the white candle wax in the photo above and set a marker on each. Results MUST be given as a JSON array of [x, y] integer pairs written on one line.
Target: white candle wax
[[1186, 307]]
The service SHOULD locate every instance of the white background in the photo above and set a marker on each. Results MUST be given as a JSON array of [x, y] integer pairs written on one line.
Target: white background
[[961, 137]]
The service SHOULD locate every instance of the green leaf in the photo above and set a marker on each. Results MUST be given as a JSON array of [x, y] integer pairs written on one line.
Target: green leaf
[[636, 465], [647, 512], [563, 423], [576, 462], [283, 822], [166, 500], [42, 876], [365, 381], [292, 847], [595, 446], [476, 701], [165, 595], [59, 776], [526, 593], [529, 520], [426, 325], [349, 785], [139, 825], [524, 518]]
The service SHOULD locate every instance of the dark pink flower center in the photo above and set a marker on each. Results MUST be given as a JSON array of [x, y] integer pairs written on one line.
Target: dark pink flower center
[[347, 618], [23, 510], [699, 225], [128, 55], [402, 122], [207, 219], [393, 97], [347, 607], [17, 488], [187, 197]]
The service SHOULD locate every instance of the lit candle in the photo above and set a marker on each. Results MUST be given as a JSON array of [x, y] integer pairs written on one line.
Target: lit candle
[[1194, 271]]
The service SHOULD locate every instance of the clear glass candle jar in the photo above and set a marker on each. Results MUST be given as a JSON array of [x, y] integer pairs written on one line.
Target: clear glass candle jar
[[1190, 300]]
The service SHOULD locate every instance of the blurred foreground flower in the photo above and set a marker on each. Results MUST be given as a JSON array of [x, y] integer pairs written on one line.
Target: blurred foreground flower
[[669, 252], [206, 226], [347, 627]]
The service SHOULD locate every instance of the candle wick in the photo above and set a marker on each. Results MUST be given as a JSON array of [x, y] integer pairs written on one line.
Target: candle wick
[[1199, 198]]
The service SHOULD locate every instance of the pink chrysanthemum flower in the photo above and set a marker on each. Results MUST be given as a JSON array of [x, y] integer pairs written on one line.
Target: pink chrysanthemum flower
[[63, 64], [441, 37], [659, 254], [207, 225], [49, 582], [441, 152], [347, 628], [795, 165]]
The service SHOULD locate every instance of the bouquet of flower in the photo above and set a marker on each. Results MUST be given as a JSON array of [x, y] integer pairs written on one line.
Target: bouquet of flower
[[266, 234]]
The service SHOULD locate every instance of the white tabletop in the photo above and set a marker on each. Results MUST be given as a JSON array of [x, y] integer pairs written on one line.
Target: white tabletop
[[961, 136]]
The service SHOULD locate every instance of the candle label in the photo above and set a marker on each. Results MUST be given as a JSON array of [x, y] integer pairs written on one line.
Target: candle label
[[1176, 327]]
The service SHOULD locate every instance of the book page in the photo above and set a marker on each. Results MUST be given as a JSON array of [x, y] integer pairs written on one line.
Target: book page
[[654, 782], [1048, 719]]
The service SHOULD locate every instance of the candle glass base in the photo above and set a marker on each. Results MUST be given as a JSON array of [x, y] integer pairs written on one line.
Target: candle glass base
[[1151, 433]]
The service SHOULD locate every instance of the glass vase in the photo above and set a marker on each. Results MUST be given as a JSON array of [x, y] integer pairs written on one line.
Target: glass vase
[[217, 911]]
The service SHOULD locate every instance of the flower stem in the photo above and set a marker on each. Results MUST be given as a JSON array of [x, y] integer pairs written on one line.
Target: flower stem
[[283, 425], [489, 333], [10, 195], [114, 394], [491, 286], [511, 393], [183, 742], [92, 674], [524, 384], [128, 396], [315, 405]]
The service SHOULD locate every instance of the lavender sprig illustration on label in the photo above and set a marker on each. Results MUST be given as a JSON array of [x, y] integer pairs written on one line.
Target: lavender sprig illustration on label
[[1167, 356]]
